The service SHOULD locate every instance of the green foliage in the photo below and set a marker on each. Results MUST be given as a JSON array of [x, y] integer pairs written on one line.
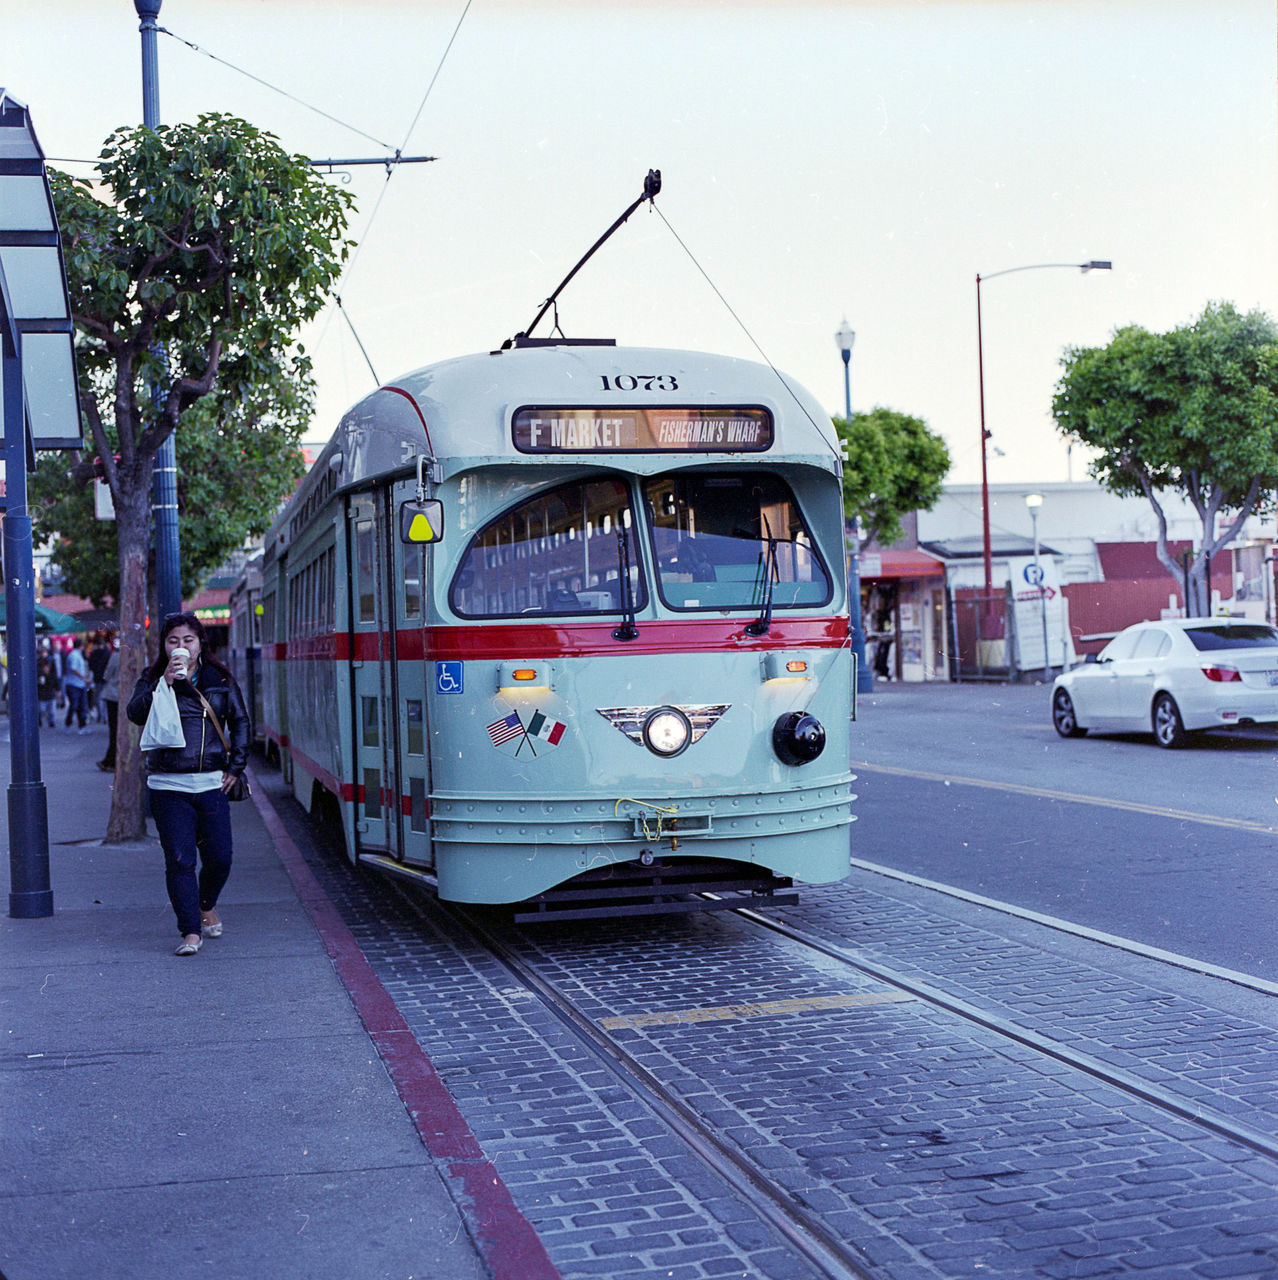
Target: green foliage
[[894, 464], [233, 473], [1194, 410]]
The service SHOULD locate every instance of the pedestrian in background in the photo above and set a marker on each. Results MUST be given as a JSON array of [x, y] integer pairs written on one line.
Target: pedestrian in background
[[111, 702], [75, 683], [188, 785], [47, 687], [99, 655]]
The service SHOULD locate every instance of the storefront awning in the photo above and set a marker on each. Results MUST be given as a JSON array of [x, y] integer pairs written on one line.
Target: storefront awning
[[899, 564]]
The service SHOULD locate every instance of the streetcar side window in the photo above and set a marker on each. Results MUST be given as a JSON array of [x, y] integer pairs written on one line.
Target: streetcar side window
[[364, 568], [555, 553], [414, 557], [714, 534]]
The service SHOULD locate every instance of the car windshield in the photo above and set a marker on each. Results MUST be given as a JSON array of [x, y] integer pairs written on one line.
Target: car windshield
[[712, 531], [1237, 636]]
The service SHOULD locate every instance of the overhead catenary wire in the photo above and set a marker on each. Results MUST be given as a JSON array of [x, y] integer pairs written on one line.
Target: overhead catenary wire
[[190, 44], [781, 378], [381, 195]]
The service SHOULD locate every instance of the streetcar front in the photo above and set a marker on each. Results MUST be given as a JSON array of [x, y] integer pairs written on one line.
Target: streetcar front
[[637, 670]]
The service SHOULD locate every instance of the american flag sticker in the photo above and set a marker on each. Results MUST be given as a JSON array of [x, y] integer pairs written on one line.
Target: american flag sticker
[[548, 730], [501, 731]]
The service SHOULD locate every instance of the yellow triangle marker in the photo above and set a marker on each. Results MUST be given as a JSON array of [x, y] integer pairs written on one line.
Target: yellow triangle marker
[[419, 529]]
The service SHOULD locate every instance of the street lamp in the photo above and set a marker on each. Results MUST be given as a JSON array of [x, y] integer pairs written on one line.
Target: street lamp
[[1033, 501], [845, 337], [1084, 267]]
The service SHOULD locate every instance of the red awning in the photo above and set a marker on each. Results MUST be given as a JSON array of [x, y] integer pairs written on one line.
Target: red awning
[[899, 564]]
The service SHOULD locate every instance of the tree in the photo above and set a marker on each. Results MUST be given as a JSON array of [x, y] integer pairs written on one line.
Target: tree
[[894, 464], [211, 247], [1193, 411]]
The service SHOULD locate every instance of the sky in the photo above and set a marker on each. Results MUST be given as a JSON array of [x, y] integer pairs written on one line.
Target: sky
[[820, 161]]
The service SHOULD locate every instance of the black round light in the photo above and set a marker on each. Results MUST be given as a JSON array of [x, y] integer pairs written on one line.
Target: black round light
[[798, 738]]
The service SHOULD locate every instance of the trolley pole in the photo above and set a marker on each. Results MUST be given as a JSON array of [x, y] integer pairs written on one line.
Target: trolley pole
[[168, 556]]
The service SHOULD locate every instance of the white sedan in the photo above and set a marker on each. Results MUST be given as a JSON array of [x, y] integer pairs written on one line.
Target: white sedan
[[1173, 677]]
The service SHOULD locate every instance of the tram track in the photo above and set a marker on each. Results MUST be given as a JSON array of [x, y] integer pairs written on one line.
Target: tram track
[[803, 1230], [1128, 1082]]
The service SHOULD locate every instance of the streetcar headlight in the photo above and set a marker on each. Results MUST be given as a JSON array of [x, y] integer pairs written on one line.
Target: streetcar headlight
[[798, 738], [667, 731]]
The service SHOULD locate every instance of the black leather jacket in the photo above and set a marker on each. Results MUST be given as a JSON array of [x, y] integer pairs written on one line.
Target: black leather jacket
[[203, 751]]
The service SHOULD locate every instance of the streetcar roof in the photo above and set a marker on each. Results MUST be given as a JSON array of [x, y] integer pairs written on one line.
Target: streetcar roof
[[459, 413]]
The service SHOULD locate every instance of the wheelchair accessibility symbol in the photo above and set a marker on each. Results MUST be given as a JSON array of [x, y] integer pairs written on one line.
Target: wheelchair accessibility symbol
[[448, 677]]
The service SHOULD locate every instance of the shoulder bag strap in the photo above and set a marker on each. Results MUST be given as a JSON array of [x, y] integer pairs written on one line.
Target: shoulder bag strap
[[217, 724]]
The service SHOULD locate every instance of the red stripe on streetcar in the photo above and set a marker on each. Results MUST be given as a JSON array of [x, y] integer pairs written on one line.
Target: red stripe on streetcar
[[506, 1240], [501, 641], [399, 391], [595, 640]]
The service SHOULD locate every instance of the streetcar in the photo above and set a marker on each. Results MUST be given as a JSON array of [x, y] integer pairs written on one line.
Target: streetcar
[[565, 626]]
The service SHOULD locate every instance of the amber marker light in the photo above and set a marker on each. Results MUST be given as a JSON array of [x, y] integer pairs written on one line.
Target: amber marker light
[[525, 673], [796, 668]]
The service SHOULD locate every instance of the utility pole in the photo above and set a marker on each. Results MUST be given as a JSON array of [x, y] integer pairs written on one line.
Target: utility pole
[[168, 554]]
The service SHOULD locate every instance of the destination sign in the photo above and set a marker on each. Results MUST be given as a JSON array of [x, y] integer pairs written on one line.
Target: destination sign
[[664, 430]]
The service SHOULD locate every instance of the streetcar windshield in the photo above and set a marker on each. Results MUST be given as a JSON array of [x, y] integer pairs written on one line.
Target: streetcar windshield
[[557, 553], [712, 532]]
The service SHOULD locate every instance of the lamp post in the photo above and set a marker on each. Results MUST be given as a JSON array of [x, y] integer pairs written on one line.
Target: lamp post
[[845, 337], [1033, 501], [1093, 265], [168, 556]]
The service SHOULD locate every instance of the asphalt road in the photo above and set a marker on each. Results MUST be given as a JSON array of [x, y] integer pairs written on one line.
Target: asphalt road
[[970, 785]]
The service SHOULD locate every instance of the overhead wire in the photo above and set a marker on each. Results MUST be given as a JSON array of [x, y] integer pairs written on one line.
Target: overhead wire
[[190, 44], [368, 226], [766, 358]]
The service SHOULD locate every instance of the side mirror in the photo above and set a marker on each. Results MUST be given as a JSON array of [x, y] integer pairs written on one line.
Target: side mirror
[[421, 522]]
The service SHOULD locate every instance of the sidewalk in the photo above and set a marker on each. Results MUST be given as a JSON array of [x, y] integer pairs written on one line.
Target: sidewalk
[[226, 1114]]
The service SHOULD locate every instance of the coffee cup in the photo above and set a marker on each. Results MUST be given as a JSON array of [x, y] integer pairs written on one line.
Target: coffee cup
[[184, 658]]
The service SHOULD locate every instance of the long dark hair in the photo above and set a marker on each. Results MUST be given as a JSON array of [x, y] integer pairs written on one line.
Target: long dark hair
[[171, 623]]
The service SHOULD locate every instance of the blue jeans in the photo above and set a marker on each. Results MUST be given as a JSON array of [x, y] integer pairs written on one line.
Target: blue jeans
[[77, 705], [191, 824]]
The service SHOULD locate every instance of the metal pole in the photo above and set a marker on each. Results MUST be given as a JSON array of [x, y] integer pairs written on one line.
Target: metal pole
[[985, 476], [30, 894], [1042, 592], [168, 555], [864, 676]]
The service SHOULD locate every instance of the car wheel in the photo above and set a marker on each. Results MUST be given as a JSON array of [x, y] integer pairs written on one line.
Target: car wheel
[[1169, 729], [1063, 717]]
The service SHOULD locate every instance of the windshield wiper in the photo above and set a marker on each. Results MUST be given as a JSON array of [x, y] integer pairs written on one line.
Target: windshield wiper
[[762, 624], [627, 630]]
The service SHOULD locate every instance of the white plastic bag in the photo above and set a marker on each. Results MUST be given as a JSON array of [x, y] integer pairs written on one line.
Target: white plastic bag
[[163, 726]]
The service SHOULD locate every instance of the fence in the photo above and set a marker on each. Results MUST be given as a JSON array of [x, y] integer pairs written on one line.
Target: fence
[[983, 640]]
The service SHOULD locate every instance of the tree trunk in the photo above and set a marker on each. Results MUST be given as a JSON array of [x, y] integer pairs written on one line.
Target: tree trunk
[[128, 801]]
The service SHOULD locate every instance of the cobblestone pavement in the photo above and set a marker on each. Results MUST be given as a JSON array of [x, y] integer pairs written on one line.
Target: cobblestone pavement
[[937, 1147]]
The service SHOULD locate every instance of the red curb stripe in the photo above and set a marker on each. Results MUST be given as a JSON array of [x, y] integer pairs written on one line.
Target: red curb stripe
[[505, 1238], [506, 1249]]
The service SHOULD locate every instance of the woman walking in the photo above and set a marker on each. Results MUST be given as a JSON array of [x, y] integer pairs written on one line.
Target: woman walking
[[188, 785]]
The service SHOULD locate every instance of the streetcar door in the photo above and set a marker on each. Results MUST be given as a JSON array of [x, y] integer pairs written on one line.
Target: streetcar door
[[370, 661], [410, 593]]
